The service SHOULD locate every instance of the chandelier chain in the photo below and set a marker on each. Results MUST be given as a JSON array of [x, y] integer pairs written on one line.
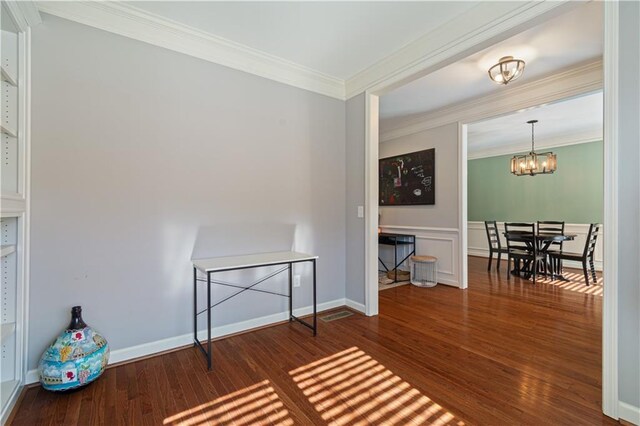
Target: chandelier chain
[[532, 138]]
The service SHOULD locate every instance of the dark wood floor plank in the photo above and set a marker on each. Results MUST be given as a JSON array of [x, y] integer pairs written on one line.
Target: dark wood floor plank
[[504, 351]]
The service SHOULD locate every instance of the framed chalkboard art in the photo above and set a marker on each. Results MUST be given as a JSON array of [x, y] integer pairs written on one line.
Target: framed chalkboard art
[[408, 179]]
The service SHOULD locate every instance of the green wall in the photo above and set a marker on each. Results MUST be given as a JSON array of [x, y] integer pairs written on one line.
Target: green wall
[[573, 193]]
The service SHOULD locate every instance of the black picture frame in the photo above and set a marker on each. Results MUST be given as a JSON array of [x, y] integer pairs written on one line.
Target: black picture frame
[[408, 179]]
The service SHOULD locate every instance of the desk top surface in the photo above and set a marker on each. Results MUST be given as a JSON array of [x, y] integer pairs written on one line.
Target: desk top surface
[[392, 235], [214, 264]]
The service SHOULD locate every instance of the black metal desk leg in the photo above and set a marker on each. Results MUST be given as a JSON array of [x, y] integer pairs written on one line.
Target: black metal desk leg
[[195, 306], [209, 320], [290, 292], [395, 260], [315, 313]]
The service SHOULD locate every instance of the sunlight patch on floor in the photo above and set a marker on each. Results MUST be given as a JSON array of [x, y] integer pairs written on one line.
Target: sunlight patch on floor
[[576, 283], [351, 388], [254, 405]]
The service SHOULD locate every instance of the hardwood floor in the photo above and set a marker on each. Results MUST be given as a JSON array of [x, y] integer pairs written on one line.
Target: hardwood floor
[[499, 353]]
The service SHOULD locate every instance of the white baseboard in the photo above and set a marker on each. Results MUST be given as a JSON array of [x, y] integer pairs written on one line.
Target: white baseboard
[[629, 413], [480, 252], [355, 305], [150, 348], [451, 283]]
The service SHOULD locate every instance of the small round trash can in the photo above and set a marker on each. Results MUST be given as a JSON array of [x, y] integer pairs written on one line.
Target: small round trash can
[[424, 271]]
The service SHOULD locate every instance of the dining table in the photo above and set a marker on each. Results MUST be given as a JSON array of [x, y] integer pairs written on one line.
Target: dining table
[[542, 241]]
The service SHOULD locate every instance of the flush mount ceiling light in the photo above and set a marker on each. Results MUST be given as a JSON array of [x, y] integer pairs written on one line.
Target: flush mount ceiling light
[[506, 70], [532, 164]]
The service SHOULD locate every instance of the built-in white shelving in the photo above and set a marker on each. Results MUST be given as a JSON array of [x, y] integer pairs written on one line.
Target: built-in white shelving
[[7, 77], [7, 390], [7, 249], [8, 130], [7, 330], [14, 201]]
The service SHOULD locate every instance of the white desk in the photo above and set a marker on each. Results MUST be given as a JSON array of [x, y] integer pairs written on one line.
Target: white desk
[[233, 263]]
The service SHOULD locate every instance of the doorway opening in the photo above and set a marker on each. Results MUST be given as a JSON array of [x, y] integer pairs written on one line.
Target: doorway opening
[[378, 133]]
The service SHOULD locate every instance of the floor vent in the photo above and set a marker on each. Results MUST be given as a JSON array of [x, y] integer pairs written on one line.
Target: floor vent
[[336, 316]]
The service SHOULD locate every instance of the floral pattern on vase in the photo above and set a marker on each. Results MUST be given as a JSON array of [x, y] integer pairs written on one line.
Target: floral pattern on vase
[[76, 358]]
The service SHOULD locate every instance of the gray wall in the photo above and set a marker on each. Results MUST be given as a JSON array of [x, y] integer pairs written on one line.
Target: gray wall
[[629, 204], [445, 211], [124, 174], [355, 197]]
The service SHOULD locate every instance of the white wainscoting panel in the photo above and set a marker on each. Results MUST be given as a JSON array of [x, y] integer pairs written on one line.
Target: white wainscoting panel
[[430, 241], [478, 245]]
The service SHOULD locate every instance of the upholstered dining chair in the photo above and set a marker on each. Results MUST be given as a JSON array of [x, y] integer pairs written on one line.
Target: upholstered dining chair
[[493, 238], [587, 254], [520, 251]]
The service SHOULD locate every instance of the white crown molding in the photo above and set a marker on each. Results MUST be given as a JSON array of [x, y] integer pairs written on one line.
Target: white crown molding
[[132, 22], [569, 83], [541, 145], [24, 13], [491, 19]]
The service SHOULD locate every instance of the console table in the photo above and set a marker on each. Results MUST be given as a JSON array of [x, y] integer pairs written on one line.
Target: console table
[[396, 240], [208, 267]]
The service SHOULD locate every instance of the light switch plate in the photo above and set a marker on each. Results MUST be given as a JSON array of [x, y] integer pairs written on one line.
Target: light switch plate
[[360, 211]]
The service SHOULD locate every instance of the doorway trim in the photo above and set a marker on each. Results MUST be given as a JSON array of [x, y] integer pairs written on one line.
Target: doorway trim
[[455, 51], [463, 272], [610, 401]]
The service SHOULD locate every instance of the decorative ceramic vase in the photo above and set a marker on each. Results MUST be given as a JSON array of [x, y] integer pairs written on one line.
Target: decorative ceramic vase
[[77, 357]]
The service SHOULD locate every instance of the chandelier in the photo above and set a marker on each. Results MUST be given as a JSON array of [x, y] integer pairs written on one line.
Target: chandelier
[[506, 70], [532, 164]]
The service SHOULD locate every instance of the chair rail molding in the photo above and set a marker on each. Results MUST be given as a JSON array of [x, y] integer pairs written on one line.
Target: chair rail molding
[[574, 81], [135, 23]]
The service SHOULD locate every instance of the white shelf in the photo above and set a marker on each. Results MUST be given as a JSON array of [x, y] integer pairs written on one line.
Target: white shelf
[[7, 77], [7, 330], [6, 390], [6, 250], [8, 130]]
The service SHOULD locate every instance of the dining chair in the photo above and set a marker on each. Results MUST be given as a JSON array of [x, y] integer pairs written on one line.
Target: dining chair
[[522, 248], [587, 254], [555, 228], [493, 238]]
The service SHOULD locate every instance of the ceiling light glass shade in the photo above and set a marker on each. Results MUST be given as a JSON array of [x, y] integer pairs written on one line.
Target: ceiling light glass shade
[[533, 163], [506, 70]]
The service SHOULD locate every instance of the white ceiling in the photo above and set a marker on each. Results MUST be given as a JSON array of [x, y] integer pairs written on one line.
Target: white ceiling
[[339, 39], [561, 123], [569, 39]]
